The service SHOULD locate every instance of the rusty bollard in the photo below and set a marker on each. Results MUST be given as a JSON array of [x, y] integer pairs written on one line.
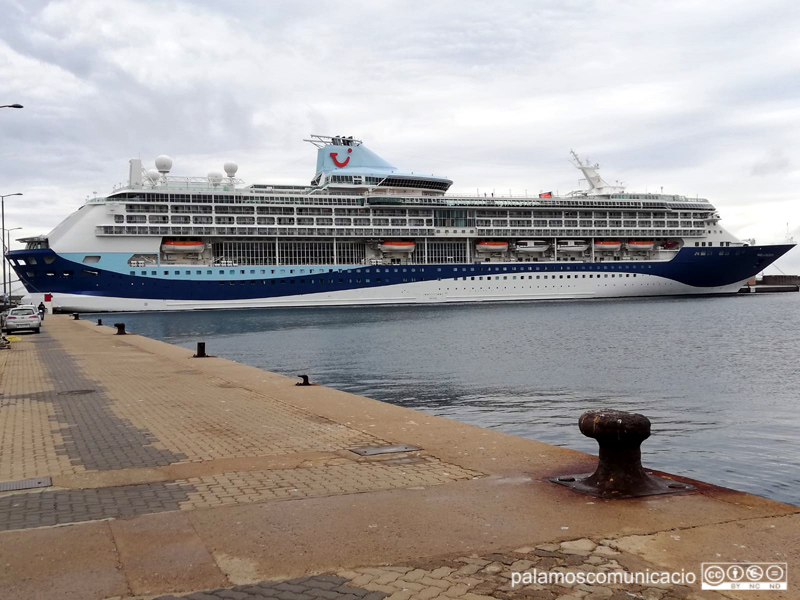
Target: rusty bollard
[[120, 328], [99, 321], [76, 317], [619, 472], [201, 350]]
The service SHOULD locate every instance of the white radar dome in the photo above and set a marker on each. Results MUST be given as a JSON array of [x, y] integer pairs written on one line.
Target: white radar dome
[[215, 178], [231, 168], [153, 175], [163, 163]]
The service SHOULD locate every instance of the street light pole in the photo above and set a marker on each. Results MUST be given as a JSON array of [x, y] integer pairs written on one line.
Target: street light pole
[[3, 227], [8, 249]]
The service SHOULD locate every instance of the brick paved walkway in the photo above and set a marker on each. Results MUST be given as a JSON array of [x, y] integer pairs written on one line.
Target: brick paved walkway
[[71, 405]]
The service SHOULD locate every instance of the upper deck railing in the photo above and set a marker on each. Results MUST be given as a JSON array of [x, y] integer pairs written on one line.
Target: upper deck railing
[[287, 194]]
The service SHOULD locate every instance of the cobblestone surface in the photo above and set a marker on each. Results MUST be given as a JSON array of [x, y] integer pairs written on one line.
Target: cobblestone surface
[[205, 417], [104, 405], [348, 478], [472, 578], [42, 508], [46, 508], [83, 425], [325, 587]]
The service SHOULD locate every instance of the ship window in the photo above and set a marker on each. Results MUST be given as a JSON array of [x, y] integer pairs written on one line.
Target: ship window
[[177, 272], [67, 273], [92, 258], [233, 272], [85, 272], [133, 272], [166, 272], [209, 272]]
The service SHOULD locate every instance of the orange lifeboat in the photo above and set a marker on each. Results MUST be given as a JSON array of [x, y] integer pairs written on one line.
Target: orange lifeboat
[[398, 246], [640, 245], [491, 246], [182, 247], [607, 245]]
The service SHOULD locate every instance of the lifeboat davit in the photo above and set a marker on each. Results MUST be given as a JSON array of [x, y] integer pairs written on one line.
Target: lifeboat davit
[[572, 246], [532, 246], [491, 246], [607, 245], [182, 247], [398, 246], [640, 245]]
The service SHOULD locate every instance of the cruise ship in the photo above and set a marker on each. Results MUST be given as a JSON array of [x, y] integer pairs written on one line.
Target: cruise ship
[[365, 232]]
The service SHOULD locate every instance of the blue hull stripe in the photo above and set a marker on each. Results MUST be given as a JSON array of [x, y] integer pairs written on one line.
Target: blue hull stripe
[[698, 267]]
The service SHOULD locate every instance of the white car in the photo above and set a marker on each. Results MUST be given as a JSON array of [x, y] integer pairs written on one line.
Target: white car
[[23, 317]]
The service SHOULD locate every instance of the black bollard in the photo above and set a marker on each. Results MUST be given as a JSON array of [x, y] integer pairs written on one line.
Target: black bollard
[[201, 350], [305, 380], [120, 328], [619, 472], [99, 321], [76, 317]]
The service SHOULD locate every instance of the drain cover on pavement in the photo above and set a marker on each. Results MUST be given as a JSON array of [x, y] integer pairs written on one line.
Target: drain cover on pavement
[[26, 484], [370, 450]]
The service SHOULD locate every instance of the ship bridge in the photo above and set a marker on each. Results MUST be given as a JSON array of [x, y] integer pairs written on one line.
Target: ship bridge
[[344, 162]]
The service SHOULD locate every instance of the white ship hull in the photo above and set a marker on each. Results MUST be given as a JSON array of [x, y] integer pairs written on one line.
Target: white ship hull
[[421, 292]]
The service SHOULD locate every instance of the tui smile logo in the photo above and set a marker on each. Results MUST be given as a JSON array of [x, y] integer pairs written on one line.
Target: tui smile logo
[[334, 156]]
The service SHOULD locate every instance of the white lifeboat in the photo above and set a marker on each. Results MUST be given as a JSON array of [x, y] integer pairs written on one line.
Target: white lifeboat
[[532, 246], [572, 245], [607, 245], [491, 246], [397, 246], [640, 245], [182, 247]]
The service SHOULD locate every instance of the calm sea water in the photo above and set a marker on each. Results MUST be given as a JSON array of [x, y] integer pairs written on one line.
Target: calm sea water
[[718, 377]]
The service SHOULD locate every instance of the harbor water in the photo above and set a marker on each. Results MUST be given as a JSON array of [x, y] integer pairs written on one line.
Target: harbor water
[[717, 377]]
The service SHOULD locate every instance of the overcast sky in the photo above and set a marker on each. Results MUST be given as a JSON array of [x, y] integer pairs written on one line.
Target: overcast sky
[[700, 97]]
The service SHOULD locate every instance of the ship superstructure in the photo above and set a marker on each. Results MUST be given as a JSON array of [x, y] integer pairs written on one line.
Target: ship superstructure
[[365, 232]]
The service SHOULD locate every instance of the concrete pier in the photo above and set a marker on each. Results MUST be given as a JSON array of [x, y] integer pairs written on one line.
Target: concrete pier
[[177, 476]]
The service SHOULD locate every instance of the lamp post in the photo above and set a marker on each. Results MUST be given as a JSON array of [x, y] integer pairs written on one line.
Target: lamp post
[[3, 227], [12, 106], [8, 249]]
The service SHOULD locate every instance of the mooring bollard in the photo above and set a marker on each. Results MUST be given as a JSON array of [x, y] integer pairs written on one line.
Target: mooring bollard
[[619, 472], [76, 317], [201, 350], [120, 328], [99, 321], [305, 380]]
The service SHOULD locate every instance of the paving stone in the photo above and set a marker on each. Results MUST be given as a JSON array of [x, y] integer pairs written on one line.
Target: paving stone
[[583, 546]]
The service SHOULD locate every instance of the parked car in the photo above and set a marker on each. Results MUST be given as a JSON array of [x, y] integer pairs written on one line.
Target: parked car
[[23, 317]]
